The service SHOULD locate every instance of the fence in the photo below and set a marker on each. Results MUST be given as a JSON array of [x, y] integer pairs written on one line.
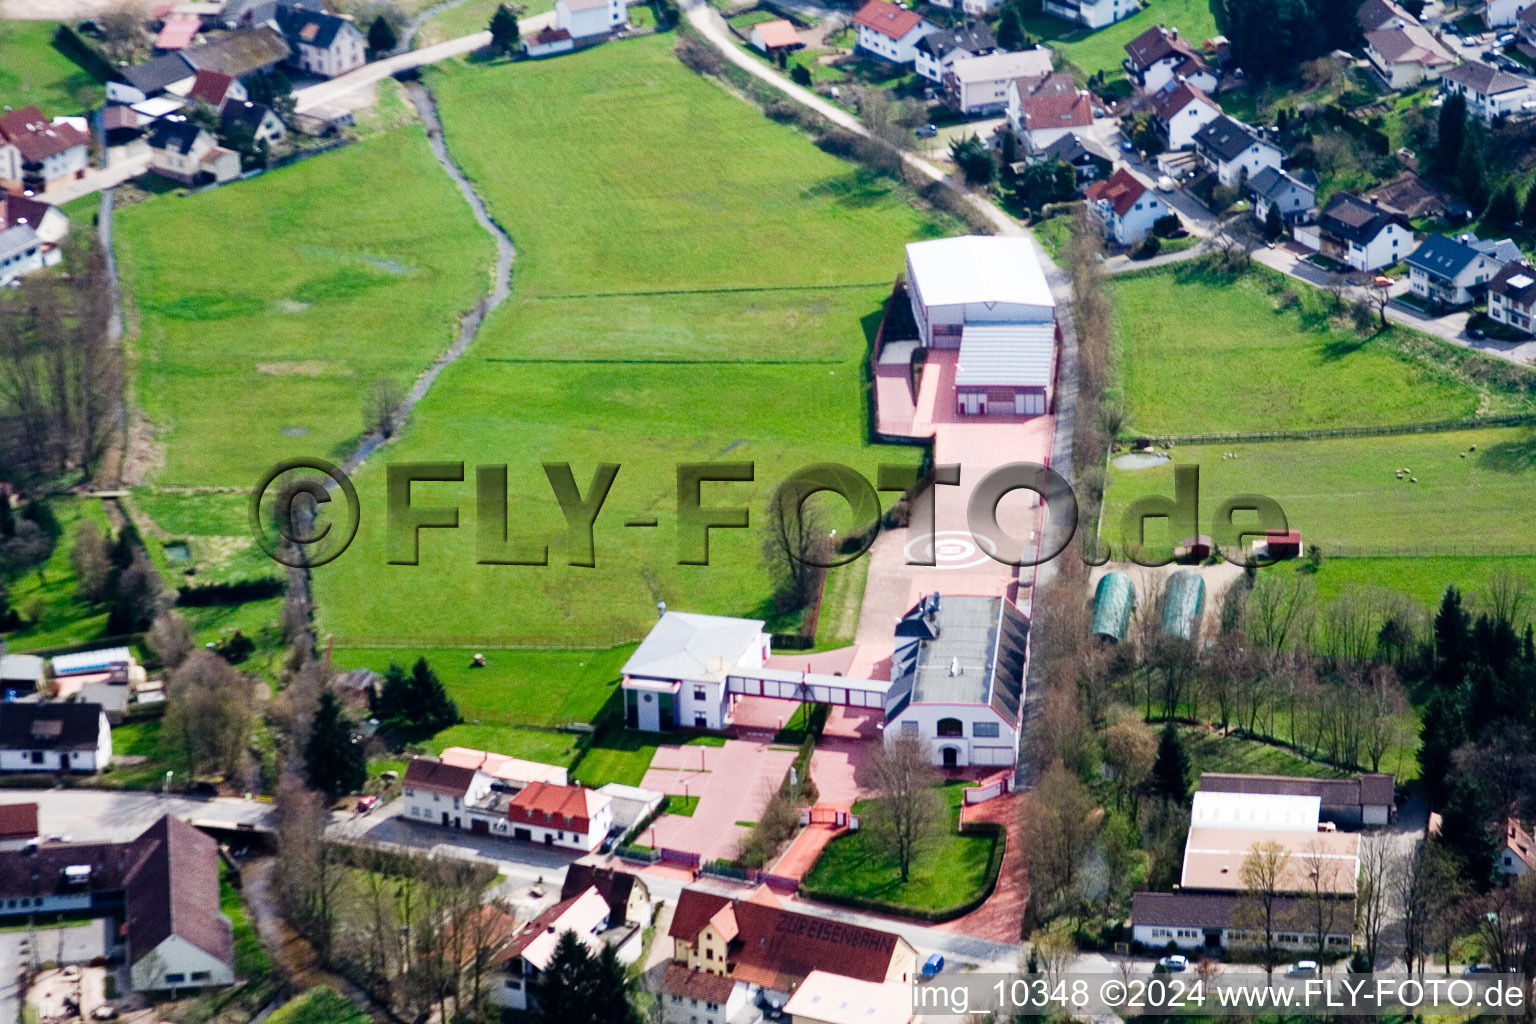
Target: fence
[[636, 855], [1524, 419], [679, 857], [989, 789], [781, 884]]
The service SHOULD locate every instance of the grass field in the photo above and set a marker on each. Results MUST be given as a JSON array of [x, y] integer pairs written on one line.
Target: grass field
[[1105, 49], [1344, 496], [701, 290], [319, 1005], [949, 871], [251, 960], [46, 598], [1423, 579], [1244, 364], [206, 533], [622, 755], [33, 72], [529, 744], [268, 308]]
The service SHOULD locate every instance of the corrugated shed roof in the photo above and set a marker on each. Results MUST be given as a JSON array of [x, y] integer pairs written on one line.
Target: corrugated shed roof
[[1183, 601], [1113, 601], [1016, 355]]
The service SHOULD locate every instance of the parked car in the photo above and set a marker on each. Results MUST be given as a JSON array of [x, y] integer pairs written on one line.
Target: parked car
[[1127, 146], [933, 965], [1382, 281], [927, 131], [105, 1011], [1505, 38], [1476, 333], [1166, 184], [1303, 967], [367, 803], [1174, 962]]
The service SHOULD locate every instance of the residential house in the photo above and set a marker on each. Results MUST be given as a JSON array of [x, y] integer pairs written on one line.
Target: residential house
[[590, 20], [676, 678], [1092, 14], [1413, 197], [1209, 922], [935, 51], [973, 8], [37, 154], [1378, 14], [1087, 157], [828, 998], [1367, 799], [957, 678], [1447, 272], [628, 898], [1512, 297], [1359, 233], [1503, 13], [242, 52], [1406, 55], [357, 688], [1126, 205], [980, 85], [1160, 55], [20, 674], [214, 88], [529, 954], [574, 817], [21, 253], [1224, 827], [54, 737], [1235, 151], [261, 120], [150, 79], [321, 44], [18, 826], [890, 32], [775, 36], [765, 952], [440, 794], [514, 771], [1294, 195], [186, 152], [1490, 93], [121, 125], [547, 42], [1525, 25], [1518, 854], [1182, 110], [987, 297], [1050, 109]]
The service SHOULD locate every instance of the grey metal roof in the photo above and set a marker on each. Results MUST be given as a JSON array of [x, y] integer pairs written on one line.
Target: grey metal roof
[[1442, 256], [1502, 250], [1228, 138], [154, 77], [1113, 601], [1017, 355], [696, 648], [975, 654], [17, 240], [174, 136], [18, 667], [1273, 183], [1358, 220]]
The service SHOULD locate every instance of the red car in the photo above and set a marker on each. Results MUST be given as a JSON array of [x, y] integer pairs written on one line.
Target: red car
[[366, 804]]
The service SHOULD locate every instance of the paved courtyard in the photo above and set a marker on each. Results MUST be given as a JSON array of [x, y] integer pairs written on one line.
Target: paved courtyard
[[733, 783]]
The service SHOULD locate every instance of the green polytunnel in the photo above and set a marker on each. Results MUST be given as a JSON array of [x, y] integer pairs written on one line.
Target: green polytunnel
[[1113, 602], [1183, 601]]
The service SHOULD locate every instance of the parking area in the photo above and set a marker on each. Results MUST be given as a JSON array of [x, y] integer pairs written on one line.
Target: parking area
[[733, 783]]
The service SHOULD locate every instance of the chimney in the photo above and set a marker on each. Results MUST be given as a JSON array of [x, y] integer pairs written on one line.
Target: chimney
[[1174, 32]]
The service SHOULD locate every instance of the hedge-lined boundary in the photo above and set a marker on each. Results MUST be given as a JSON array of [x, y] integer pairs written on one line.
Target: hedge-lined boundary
[[989, 885]]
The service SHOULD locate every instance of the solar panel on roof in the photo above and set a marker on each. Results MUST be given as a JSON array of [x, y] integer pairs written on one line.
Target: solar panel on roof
[[1521, 281]]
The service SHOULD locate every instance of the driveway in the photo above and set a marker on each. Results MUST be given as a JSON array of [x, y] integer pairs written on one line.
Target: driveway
[[99, 815]]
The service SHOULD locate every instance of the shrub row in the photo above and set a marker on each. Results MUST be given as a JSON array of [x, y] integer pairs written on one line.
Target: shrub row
[[229, 592]]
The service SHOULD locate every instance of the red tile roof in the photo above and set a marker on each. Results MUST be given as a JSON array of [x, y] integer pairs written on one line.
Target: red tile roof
[[887, 18], [19, 209], [437, 777], [29, 131], [778, 32], [1158, 42], [1170, 101], [1120, 190], [211, 87], [18, 821], [1056, 110], [564, 807], [680, 980], [550, 34], [173, 889], [694, 909]]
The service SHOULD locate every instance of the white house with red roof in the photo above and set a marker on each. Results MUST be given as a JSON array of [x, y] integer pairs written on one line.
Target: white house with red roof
[[439, 793], [36, 154], [1160, 55], [1182, 110], [778, 34], [1406, 55], [548, 41], [1126, 205], [890, 31], [1040, 111], [214, 87], [574, 817]]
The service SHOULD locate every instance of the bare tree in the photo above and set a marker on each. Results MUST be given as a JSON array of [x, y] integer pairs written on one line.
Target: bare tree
[[91, 557], [906, 811], [1280, 609], [308, 875], [1373, 895], [171, 639], [1260, 909], [1054, 948], [1507, 595], [795, 539], [1061, 828], [123, 30], [209, 710], [1423, 880], [1321, 881], [1129, 751]]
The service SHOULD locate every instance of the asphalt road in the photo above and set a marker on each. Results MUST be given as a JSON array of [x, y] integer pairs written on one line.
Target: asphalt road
[[99, 815]]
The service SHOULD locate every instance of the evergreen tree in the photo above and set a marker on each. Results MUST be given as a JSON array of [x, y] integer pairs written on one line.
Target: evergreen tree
[[1442, 732], [1011, 149], [381, 36], [1274, 224], [1528, 210], [800, 75], [1010, 29], [333, 758], [505, 32], [1170, 772], [8, 514], [393, 705], [1472, 168], [613, 1004], [566, 992], [1451, 641], [433, 709], [1466, 833], [8, 618], [1452, 132], [1503, 209]]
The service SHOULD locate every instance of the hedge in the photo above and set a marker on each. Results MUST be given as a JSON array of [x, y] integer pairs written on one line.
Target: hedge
[[229, 592], [994, 869]]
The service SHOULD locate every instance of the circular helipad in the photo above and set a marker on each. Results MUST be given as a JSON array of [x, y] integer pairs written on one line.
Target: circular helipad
[[951, 549]]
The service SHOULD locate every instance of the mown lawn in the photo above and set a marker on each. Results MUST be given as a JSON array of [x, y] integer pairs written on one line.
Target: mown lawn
[[1423, 579], [46, 598], [1198, 352], [529, 744], [515, 687], [661, 315], [34, 72], [948, 872], [320, 1005], [209, 538], [623, 755], [1105, 49], [1344, 494], [251, 960], [268, 308]]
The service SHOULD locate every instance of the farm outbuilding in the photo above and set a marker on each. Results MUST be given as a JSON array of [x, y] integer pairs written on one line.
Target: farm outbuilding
[[1183, 603], [1113, 601]]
